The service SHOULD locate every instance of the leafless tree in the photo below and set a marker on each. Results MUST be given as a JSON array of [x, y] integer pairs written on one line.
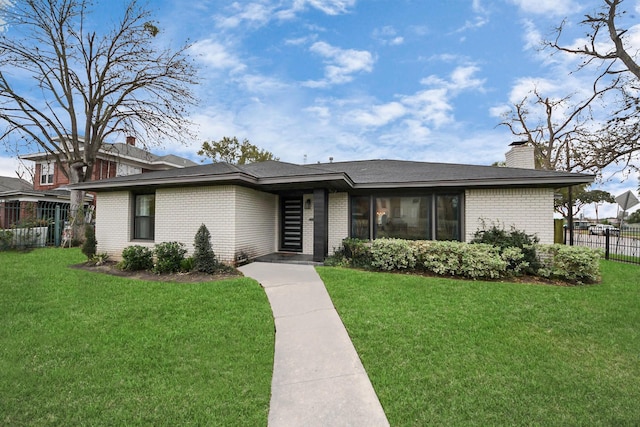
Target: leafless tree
[[599, 23], [618, 138], [559, 129], [68, 82]]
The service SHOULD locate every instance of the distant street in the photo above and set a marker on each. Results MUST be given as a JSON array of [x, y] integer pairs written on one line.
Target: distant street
[[618, 245]]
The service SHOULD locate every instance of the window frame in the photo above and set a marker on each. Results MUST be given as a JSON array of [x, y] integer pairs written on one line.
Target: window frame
[[47, 178], [136, 224], [432, 214]]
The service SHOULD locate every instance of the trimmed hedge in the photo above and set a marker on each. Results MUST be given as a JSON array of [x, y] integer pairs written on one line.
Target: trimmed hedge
[[577, 264], [472, 260]]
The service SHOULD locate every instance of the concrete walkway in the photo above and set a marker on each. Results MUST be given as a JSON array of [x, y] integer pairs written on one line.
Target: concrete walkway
[[318, 379]]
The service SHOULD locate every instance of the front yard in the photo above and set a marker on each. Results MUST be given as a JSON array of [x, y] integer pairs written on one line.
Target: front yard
[[450, 352], [82, 348]]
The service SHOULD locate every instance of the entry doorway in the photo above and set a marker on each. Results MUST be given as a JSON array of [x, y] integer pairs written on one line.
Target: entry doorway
[[291, 224]]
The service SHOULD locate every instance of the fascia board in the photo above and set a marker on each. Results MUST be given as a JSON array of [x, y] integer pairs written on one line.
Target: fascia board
[[295, 179], [471, 183], [160, 182]]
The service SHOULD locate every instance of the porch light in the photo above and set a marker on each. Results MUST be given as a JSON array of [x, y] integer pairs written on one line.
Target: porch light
[[307, 204]]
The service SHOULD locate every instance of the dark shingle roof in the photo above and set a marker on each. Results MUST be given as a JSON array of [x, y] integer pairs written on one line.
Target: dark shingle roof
[[272, 175]]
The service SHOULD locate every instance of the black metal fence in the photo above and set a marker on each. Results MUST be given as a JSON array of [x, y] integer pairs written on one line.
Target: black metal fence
[[26, 224], [617, 244]]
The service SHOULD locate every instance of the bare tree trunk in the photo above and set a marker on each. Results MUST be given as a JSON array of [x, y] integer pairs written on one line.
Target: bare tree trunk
[[76, 213]]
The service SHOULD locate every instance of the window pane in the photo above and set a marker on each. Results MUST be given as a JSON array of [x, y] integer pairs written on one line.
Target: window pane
[[144, 228], [46, 173], [403, 217], [360, 207], [448, 218], [145, 205], [144, 217]]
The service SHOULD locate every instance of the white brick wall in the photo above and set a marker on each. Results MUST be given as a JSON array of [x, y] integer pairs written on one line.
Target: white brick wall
[[338, 219], [181, 211], [113, 223], [256, 222], [237, 218], [527, 209]]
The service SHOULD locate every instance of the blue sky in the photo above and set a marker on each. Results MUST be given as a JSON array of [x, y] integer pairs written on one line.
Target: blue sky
[[361, 79]]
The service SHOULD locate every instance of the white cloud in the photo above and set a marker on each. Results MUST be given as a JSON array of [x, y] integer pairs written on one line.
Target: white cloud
[[378, 115], [461, 78], [532, 37], [341, 64], [476, 22], [216, 55], [330, 7], [547, 7], [9, 166], [252, 14], [388, 36]]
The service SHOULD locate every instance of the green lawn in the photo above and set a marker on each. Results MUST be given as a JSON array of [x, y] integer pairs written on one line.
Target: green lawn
[[83, 348], [450, 352]]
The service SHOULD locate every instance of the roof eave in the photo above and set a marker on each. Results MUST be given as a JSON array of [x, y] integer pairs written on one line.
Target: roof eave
[[474, 183], [141, 181]]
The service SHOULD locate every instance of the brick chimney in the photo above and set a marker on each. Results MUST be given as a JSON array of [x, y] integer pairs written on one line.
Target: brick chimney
[[131, 140], [521, 155]]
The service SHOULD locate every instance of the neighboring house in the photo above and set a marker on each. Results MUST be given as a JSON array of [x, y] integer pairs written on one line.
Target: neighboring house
[[21, 201], [113, 160], [261, 208]]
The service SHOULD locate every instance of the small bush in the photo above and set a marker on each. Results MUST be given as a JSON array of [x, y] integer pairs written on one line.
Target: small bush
[[392, 254], [576, 264], [514, 238], [99, 259], [481, 261], [169, 257], [439, 257], [336, 260], [186, 265], [204, 259], [358, 252], [6, 239], [90, 243], [136, 258], [448, 258], [515, 259]]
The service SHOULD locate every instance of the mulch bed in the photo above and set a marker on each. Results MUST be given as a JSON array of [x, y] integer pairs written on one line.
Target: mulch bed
[[191, 277]]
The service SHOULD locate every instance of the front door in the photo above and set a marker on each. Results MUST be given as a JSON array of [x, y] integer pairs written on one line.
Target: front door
[[291, 221]]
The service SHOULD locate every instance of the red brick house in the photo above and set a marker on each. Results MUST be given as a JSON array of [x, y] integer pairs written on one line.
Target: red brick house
[[21, 201]]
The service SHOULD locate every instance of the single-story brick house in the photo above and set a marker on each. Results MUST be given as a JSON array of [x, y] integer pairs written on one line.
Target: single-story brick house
[[272, 206]]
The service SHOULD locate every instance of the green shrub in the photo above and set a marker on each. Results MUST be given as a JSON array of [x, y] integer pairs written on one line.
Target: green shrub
[[576, 264], [204, 259], [169, 257], [449, 258], [392, 254], [99, 259], [515, 259], [439, 257], [90, 243], [514, 238], [481, 261], [136, 258], [6, 240], [357, 252], [186, 264]]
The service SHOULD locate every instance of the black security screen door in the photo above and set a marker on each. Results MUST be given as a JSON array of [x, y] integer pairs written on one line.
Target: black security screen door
[[291, 230]]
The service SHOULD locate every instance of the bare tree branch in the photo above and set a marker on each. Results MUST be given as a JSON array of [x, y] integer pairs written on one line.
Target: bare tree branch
[[91, 84]]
